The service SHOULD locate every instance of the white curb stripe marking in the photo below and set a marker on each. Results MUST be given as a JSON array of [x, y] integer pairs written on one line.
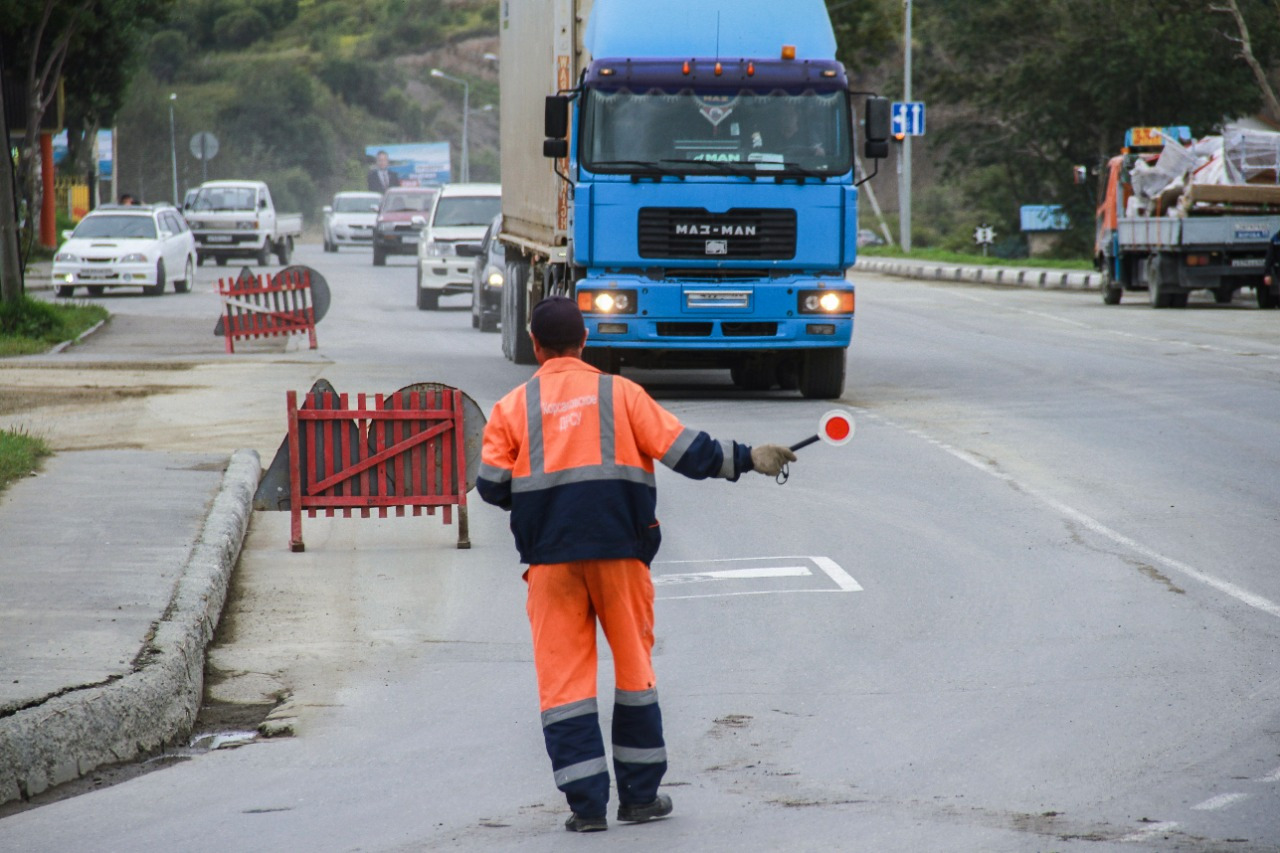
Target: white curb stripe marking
[[1153, 829]]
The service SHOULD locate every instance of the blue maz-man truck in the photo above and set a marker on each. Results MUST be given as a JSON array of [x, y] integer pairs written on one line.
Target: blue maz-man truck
[[685, 170]]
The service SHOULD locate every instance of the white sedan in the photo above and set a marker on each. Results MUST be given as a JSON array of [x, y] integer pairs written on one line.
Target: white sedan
[[350, 219], [144, 246]]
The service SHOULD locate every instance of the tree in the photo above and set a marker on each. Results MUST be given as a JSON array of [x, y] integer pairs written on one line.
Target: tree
[[88, 45], [1038, 87]]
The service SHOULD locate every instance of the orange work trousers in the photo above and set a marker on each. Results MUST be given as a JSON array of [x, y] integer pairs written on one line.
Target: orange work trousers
[[565, 600]]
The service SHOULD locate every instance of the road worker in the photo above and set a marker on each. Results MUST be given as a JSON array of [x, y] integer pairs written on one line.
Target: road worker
[[570, 453]]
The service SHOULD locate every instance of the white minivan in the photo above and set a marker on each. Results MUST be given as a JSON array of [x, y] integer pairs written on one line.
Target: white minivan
[[460, 214]]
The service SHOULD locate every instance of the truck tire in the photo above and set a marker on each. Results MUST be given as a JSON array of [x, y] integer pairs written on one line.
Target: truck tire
[[1158, 294], [822, 374], [1266, 299], [379, 256], [284, 251], [157, 288], [264, 254], [65, 291], [1111, 289], [516, 345], [1224, 294], [428, 300]]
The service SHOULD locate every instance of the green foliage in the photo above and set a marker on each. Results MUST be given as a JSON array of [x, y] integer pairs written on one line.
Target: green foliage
[[29, 325], [865, 30], [1040, 87], [167, 53], [240, 28], [20, 455]]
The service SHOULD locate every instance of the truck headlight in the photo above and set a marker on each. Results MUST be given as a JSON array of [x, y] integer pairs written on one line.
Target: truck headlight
[[438, 250], [246, 225], [826, 302], [607, 301], [495, 279]]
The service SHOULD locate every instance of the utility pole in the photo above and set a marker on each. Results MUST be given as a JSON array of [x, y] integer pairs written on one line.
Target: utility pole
[[904, 169], [173, 149], [10, 265]]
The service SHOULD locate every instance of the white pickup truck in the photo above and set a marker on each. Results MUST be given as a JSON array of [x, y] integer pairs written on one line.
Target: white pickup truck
[[237, 219]]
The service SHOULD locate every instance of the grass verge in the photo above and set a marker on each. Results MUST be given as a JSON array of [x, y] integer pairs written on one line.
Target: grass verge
[[29, 326], [20, 455], [941, 256]]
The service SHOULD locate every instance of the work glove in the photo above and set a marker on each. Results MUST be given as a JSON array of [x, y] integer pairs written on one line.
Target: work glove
[[768, 459]]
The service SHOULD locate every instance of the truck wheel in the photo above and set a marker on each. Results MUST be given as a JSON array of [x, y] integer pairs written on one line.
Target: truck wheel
[[602, 359], [157, 288], [428, 300], [822, 374], [1111, 290], [264, 254], [754, 375], [329, 247], [96, 290], [516, 345], [379, 257], [66, 290], [284, 251], [1223, 295], [1266, 299], [1157, 294]]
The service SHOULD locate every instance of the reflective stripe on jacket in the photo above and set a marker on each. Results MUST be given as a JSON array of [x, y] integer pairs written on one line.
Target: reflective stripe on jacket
[[571, 453]]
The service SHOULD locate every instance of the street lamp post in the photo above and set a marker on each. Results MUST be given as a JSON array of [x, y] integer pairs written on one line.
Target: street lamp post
[[173, 147], [466, 108]]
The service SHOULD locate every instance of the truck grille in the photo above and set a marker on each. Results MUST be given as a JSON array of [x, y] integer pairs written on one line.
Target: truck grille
[[738, 234]]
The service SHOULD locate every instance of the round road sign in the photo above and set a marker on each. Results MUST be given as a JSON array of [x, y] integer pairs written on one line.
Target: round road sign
[[204, 145]]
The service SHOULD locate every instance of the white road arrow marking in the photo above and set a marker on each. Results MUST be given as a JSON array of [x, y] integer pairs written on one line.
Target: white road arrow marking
[[733, 574]]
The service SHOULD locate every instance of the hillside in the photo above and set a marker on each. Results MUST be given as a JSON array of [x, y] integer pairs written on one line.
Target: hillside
[[294, 90]]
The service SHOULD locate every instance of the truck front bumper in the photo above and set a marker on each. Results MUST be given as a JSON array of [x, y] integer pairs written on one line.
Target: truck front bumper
[[750, 315], [229, 244]]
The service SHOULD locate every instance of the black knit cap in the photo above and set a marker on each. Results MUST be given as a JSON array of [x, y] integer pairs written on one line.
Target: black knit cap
[[557, 324]]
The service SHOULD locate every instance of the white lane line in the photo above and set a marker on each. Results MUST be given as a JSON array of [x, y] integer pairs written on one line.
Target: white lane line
[[840, 576], [751, 592], [1274, 777], [1239, 593], [1219, 802], [1148, 831], [734, 574]]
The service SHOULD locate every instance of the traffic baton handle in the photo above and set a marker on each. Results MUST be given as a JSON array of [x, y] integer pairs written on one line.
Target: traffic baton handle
[[808, 441]]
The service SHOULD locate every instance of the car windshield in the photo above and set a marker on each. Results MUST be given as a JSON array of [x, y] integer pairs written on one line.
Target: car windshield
[[356, 204], [225, 198], [746, 132], [407, 201], [115, 227], [457, 210]]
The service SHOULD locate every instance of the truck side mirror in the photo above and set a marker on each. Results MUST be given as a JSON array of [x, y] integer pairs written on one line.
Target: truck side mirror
[[877, 127], [556, 149], [555, 118]]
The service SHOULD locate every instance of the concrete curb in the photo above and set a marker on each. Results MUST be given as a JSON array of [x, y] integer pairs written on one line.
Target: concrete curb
[[72, 734], [982, 274], [62, 347]]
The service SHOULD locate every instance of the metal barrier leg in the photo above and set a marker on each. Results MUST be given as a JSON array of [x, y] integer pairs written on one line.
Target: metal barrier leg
[[464, 532]]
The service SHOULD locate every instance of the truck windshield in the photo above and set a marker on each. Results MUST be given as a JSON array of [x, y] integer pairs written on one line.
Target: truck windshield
[[225, 198], [743, 133]]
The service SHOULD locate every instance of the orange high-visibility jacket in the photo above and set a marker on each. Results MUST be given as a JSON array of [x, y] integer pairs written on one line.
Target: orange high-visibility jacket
[[571, 454]]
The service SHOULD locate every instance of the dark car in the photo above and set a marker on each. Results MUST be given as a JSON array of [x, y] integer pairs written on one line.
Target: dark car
[[401, 217], [487, 277]]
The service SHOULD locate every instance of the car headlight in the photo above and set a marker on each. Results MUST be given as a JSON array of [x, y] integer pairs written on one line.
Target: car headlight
[[495, 279], [826, 302], [65, 258], [134, 258], [607, 301]]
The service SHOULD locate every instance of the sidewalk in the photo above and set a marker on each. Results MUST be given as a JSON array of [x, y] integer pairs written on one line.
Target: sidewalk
[[981, 273], [114, 568]]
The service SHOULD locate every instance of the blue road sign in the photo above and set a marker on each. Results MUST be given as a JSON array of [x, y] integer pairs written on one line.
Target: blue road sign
[[907, 118]]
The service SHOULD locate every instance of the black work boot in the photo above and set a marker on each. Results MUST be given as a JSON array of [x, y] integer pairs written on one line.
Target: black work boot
[[578, 823], [640, 812]]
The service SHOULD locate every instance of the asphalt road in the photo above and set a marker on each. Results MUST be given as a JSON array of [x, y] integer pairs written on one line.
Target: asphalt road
[[1032, 606]]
